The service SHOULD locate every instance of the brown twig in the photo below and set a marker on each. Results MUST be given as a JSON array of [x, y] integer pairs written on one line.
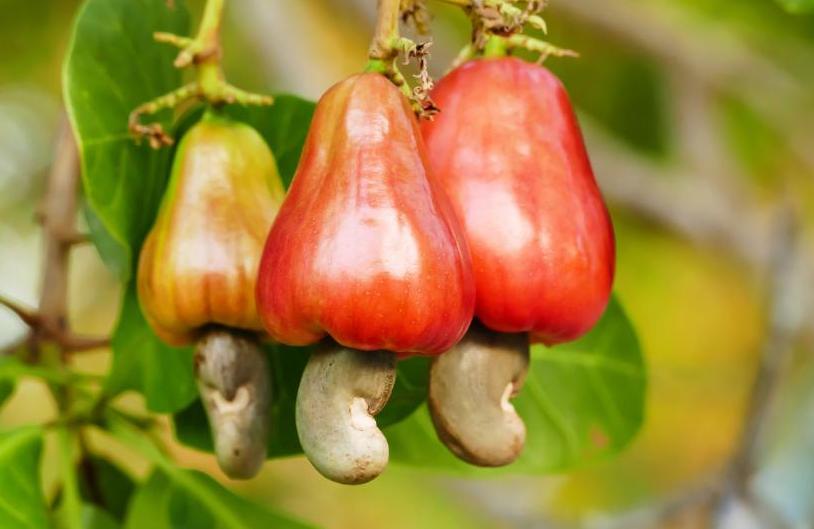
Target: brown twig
[[59, 212], [57, 215], [29, 317]]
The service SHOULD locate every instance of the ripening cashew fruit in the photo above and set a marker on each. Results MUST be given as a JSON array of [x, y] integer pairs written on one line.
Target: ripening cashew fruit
[[365, 252], [509, 153], [197, 275]]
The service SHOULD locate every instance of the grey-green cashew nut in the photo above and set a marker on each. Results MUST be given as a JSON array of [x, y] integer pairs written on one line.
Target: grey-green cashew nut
[[234, 384]]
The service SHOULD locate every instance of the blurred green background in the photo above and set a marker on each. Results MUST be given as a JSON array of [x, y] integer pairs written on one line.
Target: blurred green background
[[699, 117]]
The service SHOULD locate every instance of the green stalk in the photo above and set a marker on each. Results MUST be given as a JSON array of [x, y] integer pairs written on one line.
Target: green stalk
[[209, 72], [387, 30], [71, 500]]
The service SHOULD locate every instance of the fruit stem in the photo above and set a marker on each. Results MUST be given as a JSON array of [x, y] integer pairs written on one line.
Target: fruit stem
[[204, 52], [207, 53], [387, 31], [545, 49], [384, 50], [495, 47]]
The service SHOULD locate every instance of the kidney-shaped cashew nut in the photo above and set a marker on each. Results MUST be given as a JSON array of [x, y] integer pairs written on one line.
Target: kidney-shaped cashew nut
[[340, 393], [470, 388], [233, 380]]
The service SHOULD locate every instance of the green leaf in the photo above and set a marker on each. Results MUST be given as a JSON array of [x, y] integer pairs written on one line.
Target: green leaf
[[142, 362], [116, 256], [12, 368], [798, 6], [96, 518], [286, 365], [105, 485], [114, 65], [192, 499], [22, 504], [581, 401], [171, 491]]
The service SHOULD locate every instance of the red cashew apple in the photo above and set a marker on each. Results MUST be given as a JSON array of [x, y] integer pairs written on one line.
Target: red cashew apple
[[364, 248], [507, 149]]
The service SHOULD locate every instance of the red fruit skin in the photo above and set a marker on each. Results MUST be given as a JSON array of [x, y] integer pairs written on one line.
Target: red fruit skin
[[364, 249], [509, 153]]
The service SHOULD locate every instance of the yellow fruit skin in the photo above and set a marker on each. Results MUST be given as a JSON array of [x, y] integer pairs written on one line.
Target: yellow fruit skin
[[198, 265]]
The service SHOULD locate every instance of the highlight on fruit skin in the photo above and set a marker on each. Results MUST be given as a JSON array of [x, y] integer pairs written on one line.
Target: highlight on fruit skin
[[366, 256], [197, 275]]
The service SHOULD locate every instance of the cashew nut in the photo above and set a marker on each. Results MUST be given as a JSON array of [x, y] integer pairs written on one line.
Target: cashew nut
[[340, 392], [235, 388], [470, 388]]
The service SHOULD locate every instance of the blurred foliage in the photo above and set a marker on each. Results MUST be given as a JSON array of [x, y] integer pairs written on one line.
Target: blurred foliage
[[798, 6], [23, 504]]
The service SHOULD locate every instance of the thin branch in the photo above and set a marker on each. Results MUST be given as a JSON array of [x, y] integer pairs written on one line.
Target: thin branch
[[784, 325], [29, 317], [75, 238], [59, 214], [781, 334], [75, 343]]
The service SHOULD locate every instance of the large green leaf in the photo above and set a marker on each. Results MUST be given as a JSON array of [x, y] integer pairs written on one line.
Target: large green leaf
[[114, 65], [192, 499], [286, 365], [142, 362], [22, 504], [581, 401]]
